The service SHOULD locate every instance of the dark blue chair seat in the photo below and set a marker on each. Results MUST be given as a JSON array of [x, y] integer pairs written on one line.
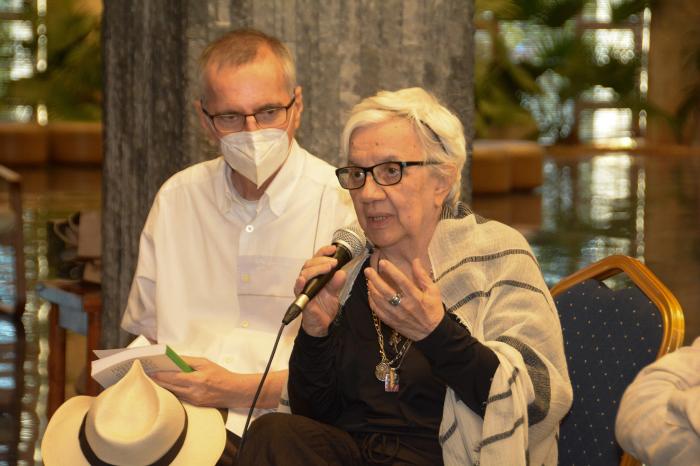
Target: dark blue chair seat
[[609, 336]]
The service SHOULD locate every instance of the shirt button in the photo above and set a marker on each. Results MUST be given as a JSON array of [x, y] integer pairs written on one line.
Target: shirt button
[[245, 277], [244, 324], [249, 228]]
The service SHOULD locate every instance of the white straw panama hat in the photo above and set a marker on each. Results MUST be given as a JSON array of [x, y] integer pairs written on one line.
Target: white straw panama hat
[[134, 422]]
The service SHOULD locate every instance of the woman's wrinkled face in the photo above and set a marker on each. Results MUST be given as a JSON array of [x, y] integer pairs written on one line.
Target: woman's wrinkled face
[[403, 216]]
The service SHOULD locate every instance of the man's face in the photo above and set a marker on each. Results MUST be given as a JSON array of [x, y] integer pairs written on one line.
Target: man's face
[[247, 89]]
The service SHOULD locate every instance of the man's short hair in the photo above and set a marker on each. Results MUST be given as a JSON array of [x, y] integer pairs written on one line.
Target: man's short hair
[[242, 46]]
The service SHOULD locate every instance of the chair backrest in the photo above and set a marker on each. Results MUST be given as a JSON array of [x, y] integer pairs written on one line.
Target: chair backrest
[[12, 235], [609, 336]]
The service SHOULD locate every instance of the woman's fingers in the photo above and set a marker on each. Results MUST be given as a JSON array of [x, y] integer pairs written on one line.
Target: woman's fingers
[[313, 267], [401, 283], [318, 266], [379, 295], [334, 286], [321, 311], [423, 280], [419, 307]]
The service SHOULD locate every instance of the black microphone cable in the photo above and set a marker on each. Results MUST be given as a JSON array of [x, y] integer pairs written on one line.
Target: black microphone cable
[[257, 392]]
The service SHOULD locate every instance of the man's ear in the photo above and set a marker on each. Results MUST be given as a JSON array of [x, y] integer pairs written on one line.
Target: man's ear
[[298, 105], [204, 121]]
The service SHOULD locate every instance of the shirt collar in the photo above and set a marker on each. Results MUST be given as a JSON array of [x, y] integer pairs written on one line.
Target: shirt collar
[[280, 190]]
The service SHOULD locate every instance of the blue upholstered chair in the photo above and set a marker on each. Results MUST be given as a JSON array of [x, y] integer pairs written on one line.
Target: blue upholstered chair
[[610, 334]]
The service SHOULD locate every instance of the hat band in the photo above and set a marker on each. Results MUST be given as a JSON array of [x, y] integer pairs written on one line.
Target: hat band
[[167, 458]]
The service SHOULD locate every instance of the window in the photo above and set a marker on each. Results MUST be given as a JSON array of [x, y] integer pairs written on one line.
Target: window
[[589, 68], [22, 50]]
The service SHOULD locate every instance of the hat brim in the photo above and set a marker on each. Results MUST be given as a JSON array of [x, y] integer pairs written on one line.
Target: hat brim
[[204, 443]]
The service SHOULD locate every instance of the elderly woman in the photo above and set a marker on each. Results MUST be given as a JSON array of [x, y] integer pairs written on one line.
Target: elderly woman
[[439, 344]]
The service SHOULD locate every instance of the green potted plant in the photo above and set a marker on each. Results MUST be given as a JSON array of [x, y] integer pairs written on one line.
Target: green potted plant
[[510, 92], [70, 85]]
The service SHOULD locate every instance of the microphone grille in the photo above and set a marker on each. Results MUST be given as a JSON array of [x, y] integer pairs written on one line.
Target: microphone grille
[[352, 237]]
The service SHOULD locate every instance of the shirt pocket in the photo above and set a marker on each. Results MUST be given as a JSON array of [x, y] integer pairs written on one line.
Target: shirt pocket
[[268, 276]]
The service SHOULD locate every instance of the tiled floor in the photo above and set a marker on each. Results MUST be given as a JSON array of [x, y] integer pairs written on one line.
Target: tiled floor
[[589, 207]]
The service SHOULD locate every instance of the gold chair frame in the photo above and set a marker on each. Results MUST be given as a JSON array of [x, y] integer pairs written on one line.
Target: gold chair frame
[[667, 304]]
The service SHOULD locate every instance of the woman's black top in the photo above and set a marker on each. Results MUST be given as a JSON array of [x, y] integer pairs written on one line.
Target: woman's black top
[[331, 379]]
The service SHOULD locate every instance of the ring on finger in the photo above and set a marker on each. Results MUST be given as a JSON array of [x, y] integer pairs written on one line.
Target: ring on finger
[[395, 300]]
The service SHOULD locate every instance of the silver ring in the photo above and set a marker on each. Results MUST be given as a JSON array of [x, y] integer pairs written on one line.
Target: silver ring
[[395, 300]]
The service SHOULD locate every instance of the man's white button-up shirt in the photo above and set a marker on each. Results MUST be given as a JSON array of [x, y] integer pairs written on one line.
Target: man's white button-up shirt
[[215, 275]]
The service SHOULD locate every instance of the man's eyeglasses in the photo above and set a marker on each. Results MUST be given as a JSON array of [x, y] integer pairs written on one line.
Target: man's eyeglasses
[[272, 117], [385, 174]]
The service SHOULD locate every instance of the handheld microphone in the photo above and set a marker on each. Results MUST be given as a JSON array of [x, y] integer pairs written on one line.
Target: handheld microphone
[[349, 242]]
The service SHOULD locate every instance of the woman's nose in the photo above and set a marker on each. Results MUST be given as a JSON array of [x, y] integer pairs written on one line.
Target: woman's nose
[[371, 191]]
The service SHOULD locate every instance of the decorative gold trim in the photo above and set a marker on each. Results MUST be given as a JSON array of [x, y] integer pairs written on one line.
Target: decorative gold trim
[[667, 304]]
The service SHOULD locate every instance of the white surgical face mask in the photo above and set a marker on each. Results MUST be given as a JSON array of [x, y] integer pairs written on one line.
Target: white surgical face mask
[[256, 154]]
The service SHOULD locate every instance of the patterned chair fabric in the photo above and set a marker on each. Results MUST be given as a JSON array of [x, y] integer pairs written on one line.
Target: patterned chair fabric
[[609, 336]]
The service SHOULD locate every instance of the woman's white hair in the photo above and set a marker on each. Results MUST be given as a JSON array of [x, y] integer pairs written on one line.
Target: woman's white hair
[[439, 131]]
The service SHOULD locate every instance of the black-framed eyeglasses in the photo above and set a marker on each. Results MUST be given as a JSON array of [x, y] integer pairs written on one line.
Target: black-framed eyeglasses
[[271, 117], [385, 174]]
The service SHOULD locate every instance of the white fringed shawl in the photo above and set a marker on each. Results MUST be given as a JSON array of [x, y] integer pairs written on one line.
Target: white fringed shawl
[[489, 277]]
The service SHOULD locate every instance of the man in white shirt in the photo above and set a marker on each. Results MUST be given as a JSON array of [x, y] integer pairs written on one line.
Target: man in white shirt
[[659, 417], [225, 239]]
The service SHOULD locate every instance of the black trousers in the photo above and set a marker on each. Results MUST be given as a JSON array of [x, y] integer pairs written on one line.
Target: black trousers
[[230, 454], [233, 442], [290, 440]]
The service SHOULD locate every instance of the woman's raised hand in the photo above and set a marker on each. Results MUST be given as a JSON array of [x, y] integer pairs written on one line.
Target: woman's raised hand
[[323, 308], [417, 310]]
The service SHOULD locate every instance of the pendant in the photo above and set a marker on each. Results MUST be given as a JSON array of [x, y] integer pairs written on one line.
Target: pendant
[[395, 341], [381, 370], [391, 381]]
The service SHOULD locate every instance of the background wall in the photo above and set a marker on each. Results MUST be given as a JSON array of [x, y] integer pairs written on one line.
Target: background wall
[[345, 50], [674, 65]]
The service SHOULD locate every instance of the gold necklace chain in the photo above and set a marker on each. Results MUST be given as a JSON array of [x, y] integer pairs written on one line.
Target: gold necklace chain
[[386, 370], [396, 337], [380, 338]]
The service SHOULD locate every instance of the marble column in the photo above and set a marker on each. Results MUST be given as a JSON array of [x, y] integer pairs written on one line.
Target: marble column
[[345, 50]]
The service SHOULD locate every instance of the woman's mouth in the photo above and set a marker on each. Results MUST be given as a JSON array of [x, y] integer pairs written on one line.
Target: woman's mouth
[[378, 220]]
